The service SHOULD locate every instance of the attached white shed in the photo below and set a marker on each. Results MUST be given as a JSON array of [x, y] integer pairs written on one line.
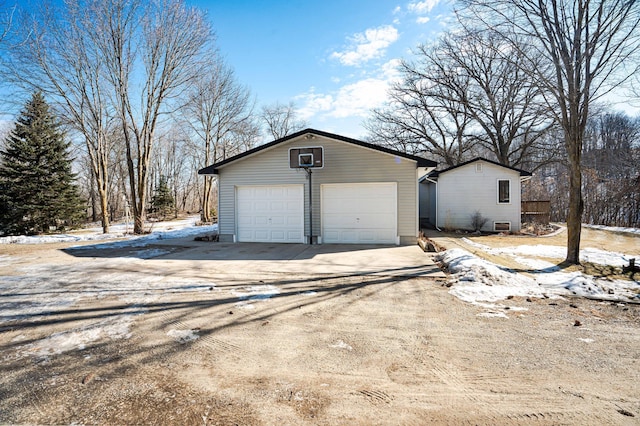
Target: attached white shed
[[449, 198], [360, 193]]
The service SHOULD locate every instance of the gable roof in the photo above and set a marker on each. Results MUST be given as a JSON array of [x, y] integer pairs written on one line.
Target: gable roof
[[213, 169], [436, 173]]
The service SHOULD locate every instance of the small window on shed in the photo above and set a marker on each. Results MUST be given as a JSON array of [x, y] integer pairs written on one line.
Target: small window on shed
[[478, 167], [504, 191], [501, 226]]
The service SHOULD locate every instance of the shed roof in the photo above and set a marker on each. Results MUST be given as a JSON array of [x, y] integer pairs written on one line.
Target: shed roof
[[523, 173], [213, 169]]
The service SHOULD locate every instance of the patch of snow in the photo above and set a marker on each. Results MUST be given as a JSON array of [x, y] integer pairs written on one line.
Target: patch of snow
[[33, 296], [586, 340], [159, 231], [150, 253], [476, 280], [493, 315], [58, 238], [309, 293], [481, 281], [614, 228], [45, 290], [588, 254], [256, 292], [244, 305], [537, 264], [183, 336], [113, 328], [341, 345]]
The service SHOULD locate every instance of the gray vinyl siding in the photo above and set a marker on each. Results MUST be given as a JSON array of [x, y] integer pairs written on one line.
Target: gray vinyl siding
[[464, 190], [343, 163]]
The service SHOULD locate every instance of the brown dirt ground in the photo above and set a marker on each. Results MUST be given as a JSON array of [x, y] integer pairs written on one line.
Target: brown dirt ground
[[355, 350]]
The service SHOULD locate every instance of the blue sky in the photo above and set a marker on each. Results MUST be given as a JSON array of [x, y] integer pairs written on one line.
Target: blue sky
[[334, 59]]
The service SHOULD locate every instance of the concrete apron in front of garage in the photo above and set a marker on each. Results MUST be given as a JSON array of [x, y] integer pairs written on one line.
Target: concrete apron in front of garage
[[334, 259]]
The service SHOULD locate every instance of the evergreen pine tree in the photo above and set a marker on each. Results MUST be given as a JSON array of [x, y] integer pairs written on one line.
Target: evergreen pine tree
[[162, 201], [35, 174]]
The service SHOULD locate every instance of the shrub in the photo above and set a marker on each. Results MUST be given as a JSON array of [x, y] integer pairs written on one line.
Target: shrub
[[478, 221]]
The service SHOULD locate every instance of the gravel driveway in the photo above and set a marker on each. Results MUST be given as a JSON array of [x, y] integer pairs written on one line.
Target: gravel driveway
[[206, 333]]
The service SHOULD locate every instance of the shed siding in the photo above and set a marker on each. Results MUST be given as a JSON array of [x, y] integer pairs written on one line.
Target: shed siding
[[465, 190], [343, 163]]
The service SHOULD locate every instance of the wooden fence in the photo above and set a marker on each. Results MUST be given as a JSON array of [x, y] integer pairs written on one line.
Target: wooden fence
[[536, 212]]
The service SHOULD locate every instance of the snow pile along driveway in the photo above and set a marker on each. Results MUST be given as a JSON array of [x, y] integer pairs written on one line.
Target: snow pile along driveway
[[476, 280]]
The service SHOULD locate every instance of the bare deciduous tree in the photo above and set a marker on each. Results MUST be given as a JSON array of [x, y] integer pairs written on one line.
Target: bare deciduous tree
[[509, 115], [465, 93], [165, 39], [610, 170], [218, 110], [589, 48], [6, 19], [423, 115], [281, 120]]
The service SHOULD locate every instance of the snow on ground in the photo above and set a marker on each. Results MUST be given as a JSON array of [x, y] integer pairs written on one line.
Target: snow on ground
[[183, 336], [158, 231], [116, 327], [587, 254], [340, 344], [36, 292], [254, 293], [478, 281], [614, 228], [39, 291]]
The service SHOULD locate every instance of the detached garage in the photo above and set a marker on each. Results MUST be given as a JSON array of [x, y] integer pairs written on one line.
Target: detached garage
[[318, 187]]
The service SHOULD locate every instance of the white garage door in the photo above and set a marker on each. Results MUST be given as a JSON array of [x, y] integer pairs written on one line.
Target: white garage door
[[363, 213], [270, 213]]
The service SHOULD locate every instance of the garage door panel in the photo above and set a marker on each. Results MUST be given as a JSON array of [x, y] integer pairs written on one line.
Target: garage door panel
[[270, 213], [294, 222], [277, 221], [359, 213], [295, 235], [277, 235]]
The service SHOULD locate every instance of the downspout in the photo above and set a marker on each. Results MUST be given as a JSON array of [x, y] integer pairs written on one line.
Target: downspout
[[435, 182]]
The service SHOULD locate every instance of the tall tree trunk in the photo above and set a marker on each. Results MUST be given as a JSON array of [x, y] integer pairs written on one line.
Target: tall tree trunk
[[104, 208], [206, 199], [100, 172], [94, 202], [574, 217]]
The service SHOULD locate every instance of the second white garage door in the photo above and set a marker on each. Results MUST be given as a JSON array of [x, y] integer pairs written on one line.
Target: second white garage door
[[270, 213], [362, 213]]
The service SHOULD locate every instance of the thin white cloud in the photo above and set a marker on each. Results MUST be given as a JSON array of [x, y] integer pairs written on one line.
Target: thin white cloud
[[351, 100], [359, 98], [422, 19], [368, 45], [422, 7], [312, 104]]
